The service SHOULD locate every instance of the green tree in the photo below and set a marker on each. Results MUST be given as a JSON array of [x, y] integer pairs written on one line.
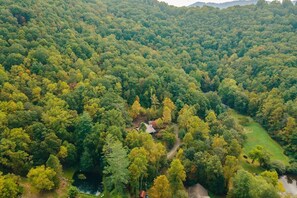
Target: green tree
[[230, 168], [271, 177], [14, 148], [234, 148], [73, 192], [260, 154], [116, 169], [138, 167], [176, 175], [42, 178], [241, 185], [8, 186], [215, 175], [54, 163]]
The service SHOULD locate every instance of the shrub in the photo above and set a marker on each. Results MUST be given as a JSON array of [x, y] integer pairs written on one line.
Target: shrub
[[72, 192], [292, 168], [278, 166]]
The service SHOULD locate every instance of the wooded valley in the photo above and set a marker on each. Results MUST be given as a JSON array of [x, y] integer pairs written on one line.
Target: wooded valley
[[151, 97]]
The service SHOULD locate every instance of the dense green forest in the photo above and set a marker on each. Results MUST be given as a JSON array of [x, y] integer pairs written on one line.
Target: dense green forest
[[76, 76]]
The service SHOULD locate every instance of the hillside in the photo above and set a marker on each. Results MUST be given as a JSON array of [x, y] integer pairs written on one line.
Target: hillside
[[103, 88], [225, 4]]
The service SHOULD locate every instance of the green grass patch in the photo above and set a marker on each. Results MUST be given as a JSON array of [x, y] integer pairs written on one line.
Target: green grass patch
[[82, 195], [69, 172], [257, 135], [247, 165]]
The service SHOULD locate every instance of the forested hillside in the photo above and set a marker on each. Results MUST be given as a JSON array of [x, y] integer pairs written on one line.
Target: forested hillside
[[78, 77], [225, 4]]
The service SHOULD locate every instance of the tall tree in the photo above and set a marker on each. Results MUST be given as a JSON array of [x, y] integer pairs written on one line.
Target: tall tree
[[241, 185], [54, 163], [116, 169], [176, 175], [161, 188], [135, 108], [138, 167], [230, 168]]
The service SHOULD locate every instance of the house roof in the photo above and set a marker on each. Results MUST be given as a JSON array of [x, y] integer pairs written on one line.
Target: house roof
[[142, 194], [149, 128]]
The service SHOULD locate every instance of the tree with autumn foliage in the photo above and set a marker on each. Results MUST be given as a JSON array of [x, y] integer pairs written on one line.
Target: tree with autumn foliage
[[138, 167], [160, 188], [168, 110], [176, 175], [136, 108]]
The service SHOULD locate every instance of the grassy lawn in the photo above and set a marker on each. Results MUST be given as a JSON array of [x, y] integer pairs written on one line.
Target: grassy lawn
[[31, 192], [82, 195], [61, 192], [257, 135], [248, 166]]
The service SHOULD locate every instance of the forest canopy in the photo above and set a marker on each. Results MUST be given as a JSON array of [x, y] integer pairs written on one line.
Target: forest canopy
[[75, 76]]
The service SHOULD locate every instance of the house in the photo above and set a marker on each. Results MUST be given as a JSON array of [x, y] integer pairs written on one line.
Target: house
[[149, 128], [142, 194]]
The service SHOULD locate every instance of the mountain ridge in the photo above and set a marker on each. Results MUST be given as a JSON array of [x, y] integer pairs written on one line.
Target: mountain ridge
[[226, 4]]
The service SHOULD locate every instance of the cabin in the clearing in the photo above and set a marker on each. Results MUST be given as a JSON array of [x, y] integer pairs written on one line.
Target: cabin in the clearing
[[148, 128]]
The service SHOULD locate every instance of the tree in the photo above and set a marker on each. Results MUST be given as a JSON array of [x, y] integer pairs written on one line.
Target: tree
[[42, 178], [245, 185], [215, 175], [261, 3], [155, 102], [13, 59], [116, 169], [113, 117], [135, 108], [192, 123], [260, 154], [271, 177], [176, 175], [241, 185], [261, 188], [230, 168], [161, 188], [86, 161], [166, 115], [8, 186], [211, 117], [188, 139], [14, 148], [168, 103], [3, 75], [56, 115], [234, 148], [290, 127], [157, 153], [168, 108], [73, 192], [138, 167], [54, 163], [83, 126], [287, 3]]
